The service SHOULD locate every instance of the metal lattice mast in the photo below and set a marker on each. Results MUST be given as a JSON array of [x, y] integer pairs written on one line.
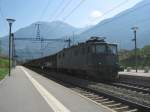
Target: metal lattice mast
[[38, 37]]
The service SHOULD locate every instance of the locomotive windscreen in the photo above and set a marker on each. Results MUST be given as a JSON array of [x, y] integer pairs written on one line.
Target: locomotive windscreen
[[100, 48], [112, 49]]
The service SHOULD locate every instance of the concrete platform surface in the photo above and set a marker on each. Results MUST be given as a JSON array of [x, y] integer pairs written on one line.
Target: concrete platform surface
[[134, 73], [27, 91]]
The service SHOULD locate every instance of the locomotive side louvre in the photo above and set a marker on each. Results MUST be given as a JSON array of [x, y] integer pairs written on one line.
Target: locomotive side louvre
[[48, 62], [73, 58], [53, 62]]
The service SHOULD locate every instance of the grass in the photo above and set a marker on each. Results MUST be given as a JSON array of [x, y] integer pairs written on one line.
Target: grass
[[3, 72], [3, 67]]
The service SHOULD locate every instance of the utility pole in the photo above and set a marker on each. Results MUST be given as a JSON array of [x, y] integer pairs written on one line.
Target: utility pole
[[38, 37], [14, 56], [135, 28], [42, 53], [73, 38], [13, 50], [10, 22], [69, 42], [0, 47]]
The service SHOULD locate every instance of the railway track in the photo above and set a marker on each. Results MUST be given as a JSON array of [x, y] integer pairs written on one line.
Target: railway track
[[137, 88], [100, 99], [106, 101], [111, 101]]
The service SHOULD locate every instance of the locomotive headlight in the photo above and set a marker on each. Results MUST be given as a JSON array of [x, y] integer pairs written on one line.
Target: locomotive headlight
[[99, 63], [117, 63]]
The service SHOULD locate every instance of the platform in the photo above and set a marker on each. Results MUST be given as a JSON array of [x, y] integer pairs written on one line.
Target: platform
[[139, 78], [27, 91], [134, 73]]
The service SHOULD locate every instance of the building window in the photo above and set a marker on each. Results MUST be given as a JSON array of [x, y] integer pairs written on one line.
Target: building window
[[93, 49]]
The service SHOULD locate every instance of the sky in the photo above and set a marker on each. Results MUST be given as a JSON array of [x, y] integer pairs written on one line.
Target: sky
[[78, 13]]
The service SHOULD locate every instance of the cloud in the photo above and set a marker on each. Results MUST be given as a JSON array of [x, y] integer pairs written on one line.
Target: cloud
[[94, 17], [96, 14]]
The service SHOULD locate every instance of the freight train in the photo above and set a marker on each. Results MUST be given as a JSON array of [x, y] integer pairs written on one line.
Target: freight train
[[93, 59]]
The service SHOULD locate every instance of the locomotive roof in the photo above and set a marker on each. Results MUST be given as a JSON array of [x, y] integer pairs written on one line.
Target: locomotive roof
[[92, 40], [96, 39]]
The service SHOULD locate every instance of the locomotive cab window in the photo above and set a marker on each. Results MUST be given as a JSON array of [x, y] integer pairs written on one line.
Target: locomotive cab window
[[88, 49], [93, 49], [112, 49], [100, 48]]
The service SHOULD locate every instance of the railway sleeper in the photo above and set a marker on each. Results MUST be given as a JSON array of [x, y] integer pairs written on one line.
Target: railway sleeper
[[141, 93], [114, 105], [133, 110], [91, 97], [97, 99], [146, 94], [103, 100], [121, 108], [83, 92], [108, 102]]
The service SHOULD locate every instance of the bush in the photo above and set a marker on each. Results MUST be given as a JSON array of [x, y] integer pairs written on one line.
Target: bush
[[146, 69], [129, 69]]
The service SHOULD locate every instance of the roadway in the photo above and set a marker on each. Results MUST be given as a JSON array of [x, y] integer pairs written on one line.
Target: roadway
[[27, 91]]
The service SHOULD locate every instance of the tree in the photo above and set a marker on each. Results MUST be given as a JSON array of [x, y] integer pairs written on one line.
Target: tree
[[0, 47], [146, 51], [127, 57]]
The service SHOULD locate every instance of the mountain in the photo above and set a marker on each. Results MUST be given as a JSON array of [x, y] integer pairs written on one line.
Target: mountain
[[118, 28], [50, 30], [55, 29], [83, 29]]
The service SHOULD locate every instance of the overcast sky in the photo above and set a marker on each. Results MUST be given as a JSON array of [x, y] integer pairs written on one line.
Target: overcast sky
[[89, 12]]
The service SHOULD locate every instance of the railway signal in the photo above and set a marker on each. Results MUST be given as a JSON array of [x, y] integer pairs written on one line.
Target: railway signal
[[135, 28]]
